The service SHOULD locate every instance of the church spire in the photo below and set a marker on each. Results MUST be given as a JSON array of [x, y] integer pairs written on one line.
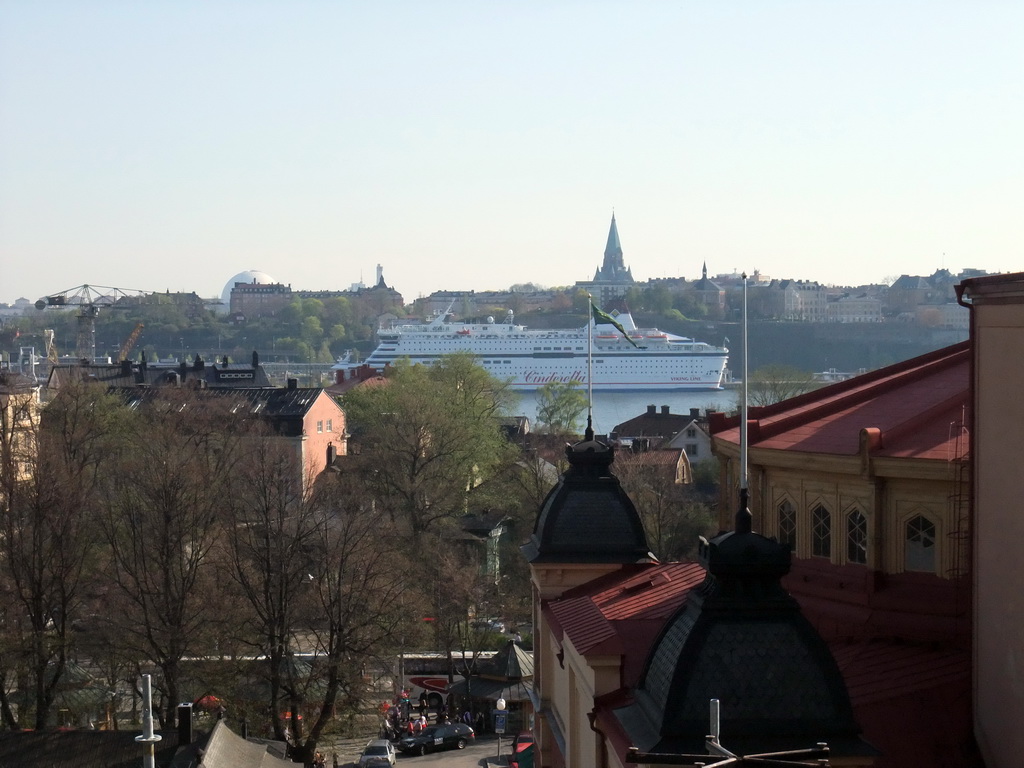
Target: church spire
[[613, 250]]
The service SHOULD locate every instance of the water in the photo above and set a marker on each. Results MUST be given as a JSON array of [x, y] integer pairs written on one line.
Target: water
[[612, 408]]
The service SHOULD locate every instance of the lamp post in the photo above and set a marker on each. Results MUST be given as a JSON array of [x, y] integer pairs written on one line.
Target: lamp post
[[499, 722]]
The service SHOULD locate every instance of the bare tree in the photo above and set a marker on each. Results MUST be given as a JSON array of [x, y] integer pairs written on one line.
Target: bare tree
[[673, 513], [163, 509], [271, 538], [358, 584], [48, 506], [773, 383]]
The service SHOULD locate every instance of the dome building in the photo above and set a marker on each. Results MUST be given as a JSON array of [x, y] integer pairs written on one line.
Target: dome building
[[248, 277]]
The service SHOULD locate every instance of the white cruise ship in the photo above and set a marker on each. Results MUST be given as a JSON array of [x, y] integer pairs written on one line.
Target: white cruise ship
[[529, 359]]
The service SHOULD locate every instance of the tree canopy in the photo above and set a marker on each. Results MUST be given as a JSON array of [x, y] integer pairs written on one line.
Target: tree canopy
[[429, 439], [559, 407]]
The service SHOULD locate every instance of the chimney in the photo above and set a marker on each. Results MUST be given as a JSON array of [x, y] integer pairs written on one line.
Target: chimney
[[664, 410], [651, 410], [695, 413], [126, 367], [255, 359], [293, 383], [184, 724], [225, 363]]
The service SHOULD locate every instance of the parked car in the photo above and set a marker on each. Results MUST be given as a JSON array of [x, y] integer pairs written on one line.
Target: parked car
[[451, 736], [489, 625], [377, 753], [522, 742]]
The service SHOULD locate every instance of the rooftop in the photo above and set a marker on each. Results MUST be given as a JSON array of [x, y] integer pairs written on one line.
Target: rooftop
[[904, 410]]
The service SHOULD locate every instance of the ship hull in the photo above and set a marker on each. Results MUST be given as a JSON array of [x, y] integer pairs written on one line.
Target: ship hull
[[530, 359]]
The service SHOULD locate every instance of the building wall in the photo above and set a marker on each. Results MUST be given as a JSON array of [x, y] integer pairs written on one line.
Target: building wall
[[557, 669], [259, 299], [855, 309], [891, 496], [323, 426], [998, 337], [19, 423]]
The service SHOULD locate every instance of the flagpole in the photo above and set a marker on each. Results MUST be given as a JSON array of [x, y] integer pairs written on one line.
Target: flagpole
[[743, 516], [590, 367]]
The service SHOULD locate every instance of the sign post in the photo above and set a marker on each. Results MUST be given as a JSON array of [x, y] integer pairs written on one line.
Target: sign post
[[499, 722]]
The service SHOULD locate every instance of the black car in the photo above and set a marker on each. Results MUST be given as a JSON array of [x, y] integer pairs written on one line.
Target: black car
[[453, 736]]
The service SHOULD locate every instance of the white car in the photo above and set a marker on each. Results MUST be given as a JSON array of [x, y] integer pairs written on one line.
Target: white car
[[377, 753]]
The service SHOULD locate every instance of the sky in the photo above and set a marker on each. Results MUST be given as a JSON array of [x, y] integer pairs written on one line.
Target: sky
[[474, 145]]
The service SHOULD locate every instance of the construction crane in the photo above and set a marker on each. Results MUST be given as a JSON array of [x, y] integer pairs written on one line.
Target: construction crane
[[51, 345], [89, 301], [129, 343]]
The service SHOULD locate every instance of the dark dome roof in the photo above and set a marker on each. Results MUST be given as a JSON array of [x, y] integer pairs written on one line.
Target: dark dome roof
[[741, 638], [587, 517]]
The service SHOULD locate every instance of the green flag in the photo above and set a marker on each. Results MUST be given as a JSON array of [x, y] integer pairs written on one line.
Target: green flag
[[604, 317]]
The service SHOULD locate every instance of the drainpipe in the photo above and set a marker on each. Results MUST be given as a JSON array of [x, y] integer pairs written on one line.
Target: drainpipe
[[603, 757]]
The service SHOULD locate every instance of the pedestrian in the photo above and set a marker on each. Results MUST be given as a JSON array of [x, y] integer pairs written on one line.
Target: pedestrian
[[423, 702]]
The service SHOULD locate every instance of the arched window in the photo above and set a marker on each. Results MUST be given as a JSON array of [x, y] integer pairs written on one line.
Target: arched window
[[919, 552], [787, 524], [856, 538], [821, 532]]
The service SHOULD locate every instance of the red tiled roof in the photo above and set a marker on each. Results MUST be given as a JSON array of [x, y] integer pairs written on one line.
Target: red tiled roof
[[879, 670], [665, 457], [623, 612], [913, 409], [912, 700]]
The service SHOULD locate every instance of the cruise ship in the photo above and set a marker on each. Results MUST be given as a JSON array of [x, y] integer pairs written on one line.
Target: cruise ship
[[528, 359]]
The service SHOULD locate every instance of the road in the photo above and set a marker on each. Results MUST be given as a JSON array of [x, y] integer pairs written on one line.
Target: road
[[481, 754]]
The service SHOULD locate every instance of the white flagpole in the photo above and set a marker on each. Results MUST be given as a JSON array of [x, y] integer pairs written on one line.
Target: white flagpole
[[743, 516], [590, 366]]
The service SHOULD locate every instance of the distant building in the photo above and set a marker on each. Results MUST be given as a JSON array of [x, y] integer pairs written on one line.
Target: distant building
[[257, 295], [19, 421], [693, 439], [910, 291], [253, 300], [657, 429], [859, 308], [710, 293], [309, 419], [613, 278]]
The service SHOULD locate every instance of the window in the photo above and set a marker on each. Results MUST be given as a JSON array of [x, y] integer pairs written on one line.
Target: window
[[787, 524], [691, 449], [330, 425], [821, 532], [857, 538], [320, 426], [691, 432], [920, 544]]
